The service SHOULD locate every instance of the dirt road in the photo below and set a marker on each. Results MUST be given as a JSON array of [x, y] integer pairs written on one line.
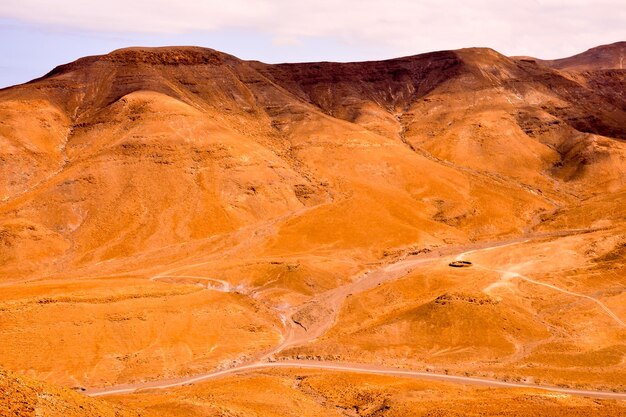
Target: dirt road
[[357, 368], [328, 305]]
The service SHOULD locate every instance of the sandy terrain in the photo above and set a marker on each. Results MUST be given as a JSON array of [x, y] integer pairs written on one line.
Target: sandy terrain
[[259, 239]]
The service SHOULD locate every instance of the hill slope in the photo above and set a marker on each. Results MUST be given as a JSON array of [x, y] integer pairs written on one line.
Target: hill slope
[[25, 397], [167, 212]]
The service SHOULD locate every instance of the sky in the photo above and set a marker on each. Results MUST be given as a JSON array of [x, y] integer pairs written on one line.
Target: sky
[[37, 35]]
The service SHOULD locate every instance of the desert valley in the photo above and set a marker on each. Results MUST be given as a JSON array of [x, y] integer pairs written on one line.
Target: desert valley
[[185, 233]]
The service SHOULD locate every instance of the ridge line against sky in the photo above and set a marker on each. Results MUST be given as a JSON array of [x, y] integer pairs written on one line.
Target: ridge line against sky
[[39, 35]]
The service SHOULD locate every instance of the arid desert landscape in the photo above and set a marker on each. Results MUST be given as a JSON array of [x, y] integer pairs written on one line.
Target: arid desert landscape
[[185, 233]]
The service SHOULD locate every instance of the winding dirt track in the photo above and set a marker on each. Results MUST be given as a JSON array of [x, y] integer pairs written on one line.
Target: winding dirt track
[[356, 368], [508, 274], [329, 304], [223, 286], [603, 306]]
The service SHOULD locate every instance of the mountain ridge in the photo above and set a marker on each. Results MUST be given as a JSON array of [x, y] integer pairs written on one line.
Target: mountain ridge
[[168, 212], [204, 55]]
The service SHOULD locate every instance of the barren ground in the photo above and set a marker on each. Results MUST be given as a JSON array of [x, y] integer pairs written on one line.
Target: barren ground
[[186, 233]]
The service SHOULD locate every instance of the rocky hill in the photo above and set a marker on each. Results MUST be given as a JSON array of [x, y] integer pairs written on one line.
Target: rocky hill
[[166, 212]]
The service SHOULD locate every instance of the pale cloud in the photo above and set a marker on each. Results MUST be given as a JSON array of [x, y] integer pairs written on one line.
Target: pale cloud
[[545, 28], [286, 40]]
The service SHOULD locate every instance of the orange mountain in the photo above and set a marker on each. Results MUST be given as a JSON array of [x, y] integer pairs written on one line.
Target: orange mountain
[[169, 212]]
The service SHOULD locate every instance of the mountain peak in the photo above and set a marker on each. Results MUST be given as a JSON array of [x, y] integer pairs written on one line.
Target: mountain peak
[[169, 55], [610, 56]]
